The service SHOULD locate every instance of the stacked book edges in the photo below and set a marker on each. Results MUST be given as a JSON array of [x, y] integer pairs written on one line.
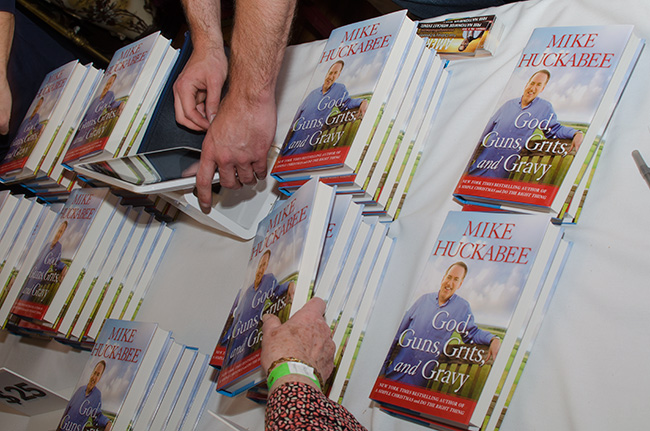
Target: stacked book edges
[[67, 268]]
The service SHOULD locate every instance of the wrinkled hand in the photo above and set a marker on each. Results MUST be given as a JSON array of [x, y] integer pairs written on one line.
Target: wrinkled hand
[[237, 142], [5, 106], [305, 336], [197, 89]]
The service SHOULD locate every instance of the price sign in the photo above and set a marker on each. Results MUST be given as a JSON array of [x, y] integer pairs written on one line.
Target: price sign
[[27, 397]]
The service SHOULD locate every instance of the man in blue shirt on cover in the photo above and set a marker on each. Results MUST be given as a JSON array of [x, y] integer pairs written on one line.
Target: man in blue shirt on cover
[[86, 403], [48, 271], [427, 327], [315, 109], [252, 304], [513, 125]]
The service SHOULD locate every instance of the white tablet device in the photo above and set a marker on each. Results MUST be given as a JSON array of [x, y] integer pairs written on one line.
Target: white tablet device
[[153, 172]]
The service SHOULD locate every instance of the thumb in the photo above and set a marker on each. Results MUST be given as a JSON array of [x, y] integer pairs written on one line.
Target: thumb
[[270, 322]]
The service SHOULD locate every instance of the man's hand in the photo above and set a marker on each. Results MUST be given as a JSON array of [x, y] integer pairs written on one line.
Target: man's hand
[[575, 142], [305, 336], [237, 143], [362, 109], [5, 106], [6, 38], [493, 349], [197, 89]]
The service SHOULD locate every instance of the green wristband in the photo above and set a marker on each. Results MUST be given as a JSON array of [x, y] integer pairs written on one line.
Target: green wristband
[[287, 368]]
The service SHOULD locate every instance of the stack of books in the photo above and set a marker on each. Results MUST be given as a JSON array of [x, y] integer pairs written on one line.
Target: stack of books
[[35, 152], [536, 150], [315, 243], [139, 377], [81, 112], [460, 345], [67, 268], [366, 114], [123, 100]]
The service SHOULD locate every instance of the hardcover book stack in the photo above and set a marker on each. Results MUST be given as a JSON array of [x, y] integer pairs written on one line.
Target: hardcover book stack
[[81, 112], [138, 377], [536, 149], [130, 86], [346, 265], [36, 150], [67, 268], [279, 280], [461, 345], [365, 115]]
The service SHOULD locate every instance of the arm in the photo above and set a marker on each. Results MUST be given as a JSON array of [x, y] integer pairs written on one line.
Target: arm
[[197, 89], [242, 131], [6, 38], [307, 337], [557, 130], [479, 336]]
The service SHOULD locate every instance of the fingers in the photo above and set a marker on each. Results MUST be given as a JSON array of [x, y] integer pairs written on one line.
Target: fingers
[[270, 322], [204, 177], [212, 104], [315, 307], [260, 169], [187, 98]]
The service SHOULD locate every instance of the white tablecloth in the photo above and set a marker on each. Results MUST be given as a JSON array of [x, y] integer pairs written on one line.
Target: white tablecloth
[[586, 371]]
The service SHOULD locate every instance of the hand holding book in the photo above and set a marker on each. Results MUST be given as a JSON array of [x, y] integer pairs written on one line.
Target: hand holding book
[[304, 338]]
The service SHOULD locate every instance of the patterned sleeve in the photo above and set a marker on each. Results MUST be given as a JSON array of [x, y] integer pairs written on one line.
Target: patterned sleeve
[[298, 406]]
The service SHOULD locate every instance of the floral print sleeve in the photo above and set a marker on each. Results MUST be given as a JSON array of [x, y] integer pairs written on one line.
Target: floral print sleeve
[[298, 406]]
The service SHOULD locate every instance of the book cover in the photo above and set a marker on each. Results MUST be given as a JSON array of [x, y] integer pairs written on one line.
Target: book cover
[[152, 362], [51, 168], [11, 247], [399, 180], [59, 251], [279, 278], [465, 314], [107, 377], [527, 339], [19, 272], [349, 84], [558, 99], [121, 81], [43, 118], [156, 388], [462, 37], [144, 114]]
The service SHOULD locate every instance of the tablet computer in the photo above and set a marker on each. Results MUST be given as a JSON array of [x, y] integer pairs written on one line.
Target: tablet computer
[[152, 172]]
